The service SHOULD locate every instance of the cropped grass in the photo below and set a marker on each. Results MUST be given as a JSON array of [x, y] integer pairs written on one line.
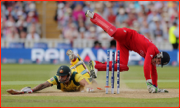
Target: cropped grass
[[17, 76], [56, 101], [168, 77]]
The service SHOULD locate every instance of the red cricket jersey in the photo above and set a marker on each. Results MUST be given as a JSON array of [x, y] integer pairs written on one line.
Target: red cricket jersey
[[128, 39]]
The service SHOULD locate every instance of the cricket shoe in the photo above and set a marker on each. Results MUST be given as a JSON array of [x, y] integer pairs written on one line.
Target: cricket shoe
[[93, 70], [70, 54], [89, 14]]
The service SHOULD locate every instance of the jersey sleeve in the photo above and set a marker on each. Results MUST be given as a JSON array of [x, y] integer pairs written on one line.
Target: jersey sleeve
[[154, 75], [149, 68], [78, 77], [52, 81]]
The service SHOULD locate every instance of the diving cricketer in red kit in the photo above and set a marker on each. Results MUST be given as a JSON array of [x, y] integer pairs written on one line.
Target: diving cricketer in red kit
[[129, 40]]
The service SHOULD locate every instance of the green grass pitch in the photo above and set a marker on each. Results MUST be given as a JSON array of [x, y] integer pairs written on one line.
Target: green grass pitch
[[17, 76]]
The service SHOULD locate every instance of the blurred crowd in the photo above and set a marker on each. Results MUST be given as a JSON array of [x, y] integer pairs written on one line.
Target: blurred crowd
[[19, 20], [157, 20]]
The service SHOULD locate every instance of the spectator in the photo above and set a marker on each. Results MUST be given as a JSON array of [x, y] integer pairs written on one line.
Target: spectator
[[111, 17], [60, 15], [21, 25], [78, 14], [97, 45], [113, 44], [20, 16], [3, 26], [121, 17], [172, 37], [104, 36], [131, 19], [153, 25], [158, 33], [141, 17], [31, 18], [91, 33], [23, 34], [17, 10], [81, 29], [176, 33], [32, 35], [75, 3], [88, 6], [71, 32], [152, 15], [63, 15], [12, 35], [30, 6], [165, 28], [10, 31], [144, 30], [99, 8]]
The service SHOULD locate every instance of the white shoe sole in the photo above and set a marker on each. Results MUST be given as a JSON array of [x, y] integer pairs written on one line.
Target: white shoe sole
[[70, 54], [89, 14], [93, 71]]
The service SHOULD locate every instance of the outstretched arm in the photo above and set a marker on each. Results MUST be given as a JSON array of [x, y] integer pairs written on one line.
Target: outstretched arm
[[37, 88], [28, 89], [41, 86]]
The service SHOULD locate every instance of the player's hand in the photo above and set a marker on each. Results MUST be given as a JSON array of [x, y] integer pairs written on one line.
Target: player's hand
[[27, 90], [89, 89], [162, 91], [151, 88]]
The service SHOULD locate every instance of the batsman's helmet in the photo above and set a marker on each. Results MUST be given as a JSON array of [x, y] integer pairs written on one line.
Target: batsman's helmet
[[165, 58], [63, 71]]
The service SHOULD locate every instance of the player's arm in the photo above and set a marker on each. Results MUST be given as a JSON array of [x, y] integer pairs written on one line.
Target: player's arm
[[87, 86], [28, 89], [147, 65], [41, 86], [150, 56], [148, 71], [37, 88], [154, 75], [83, 82]]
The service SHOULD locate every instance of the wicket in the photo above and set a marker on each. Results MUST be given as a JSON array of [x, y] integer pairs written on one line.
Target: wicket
[[118, 72], [112, 72], [107, 72]]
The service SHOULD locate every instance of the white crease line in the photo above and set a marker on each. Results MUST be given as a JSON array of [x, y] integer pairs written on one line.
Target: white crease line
[[39, 82]]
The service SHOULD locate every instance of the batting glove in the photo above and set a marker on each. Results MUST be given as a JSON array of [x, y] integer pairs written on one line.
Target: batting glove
[[151, 88], [27, 90], [89, 89]]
